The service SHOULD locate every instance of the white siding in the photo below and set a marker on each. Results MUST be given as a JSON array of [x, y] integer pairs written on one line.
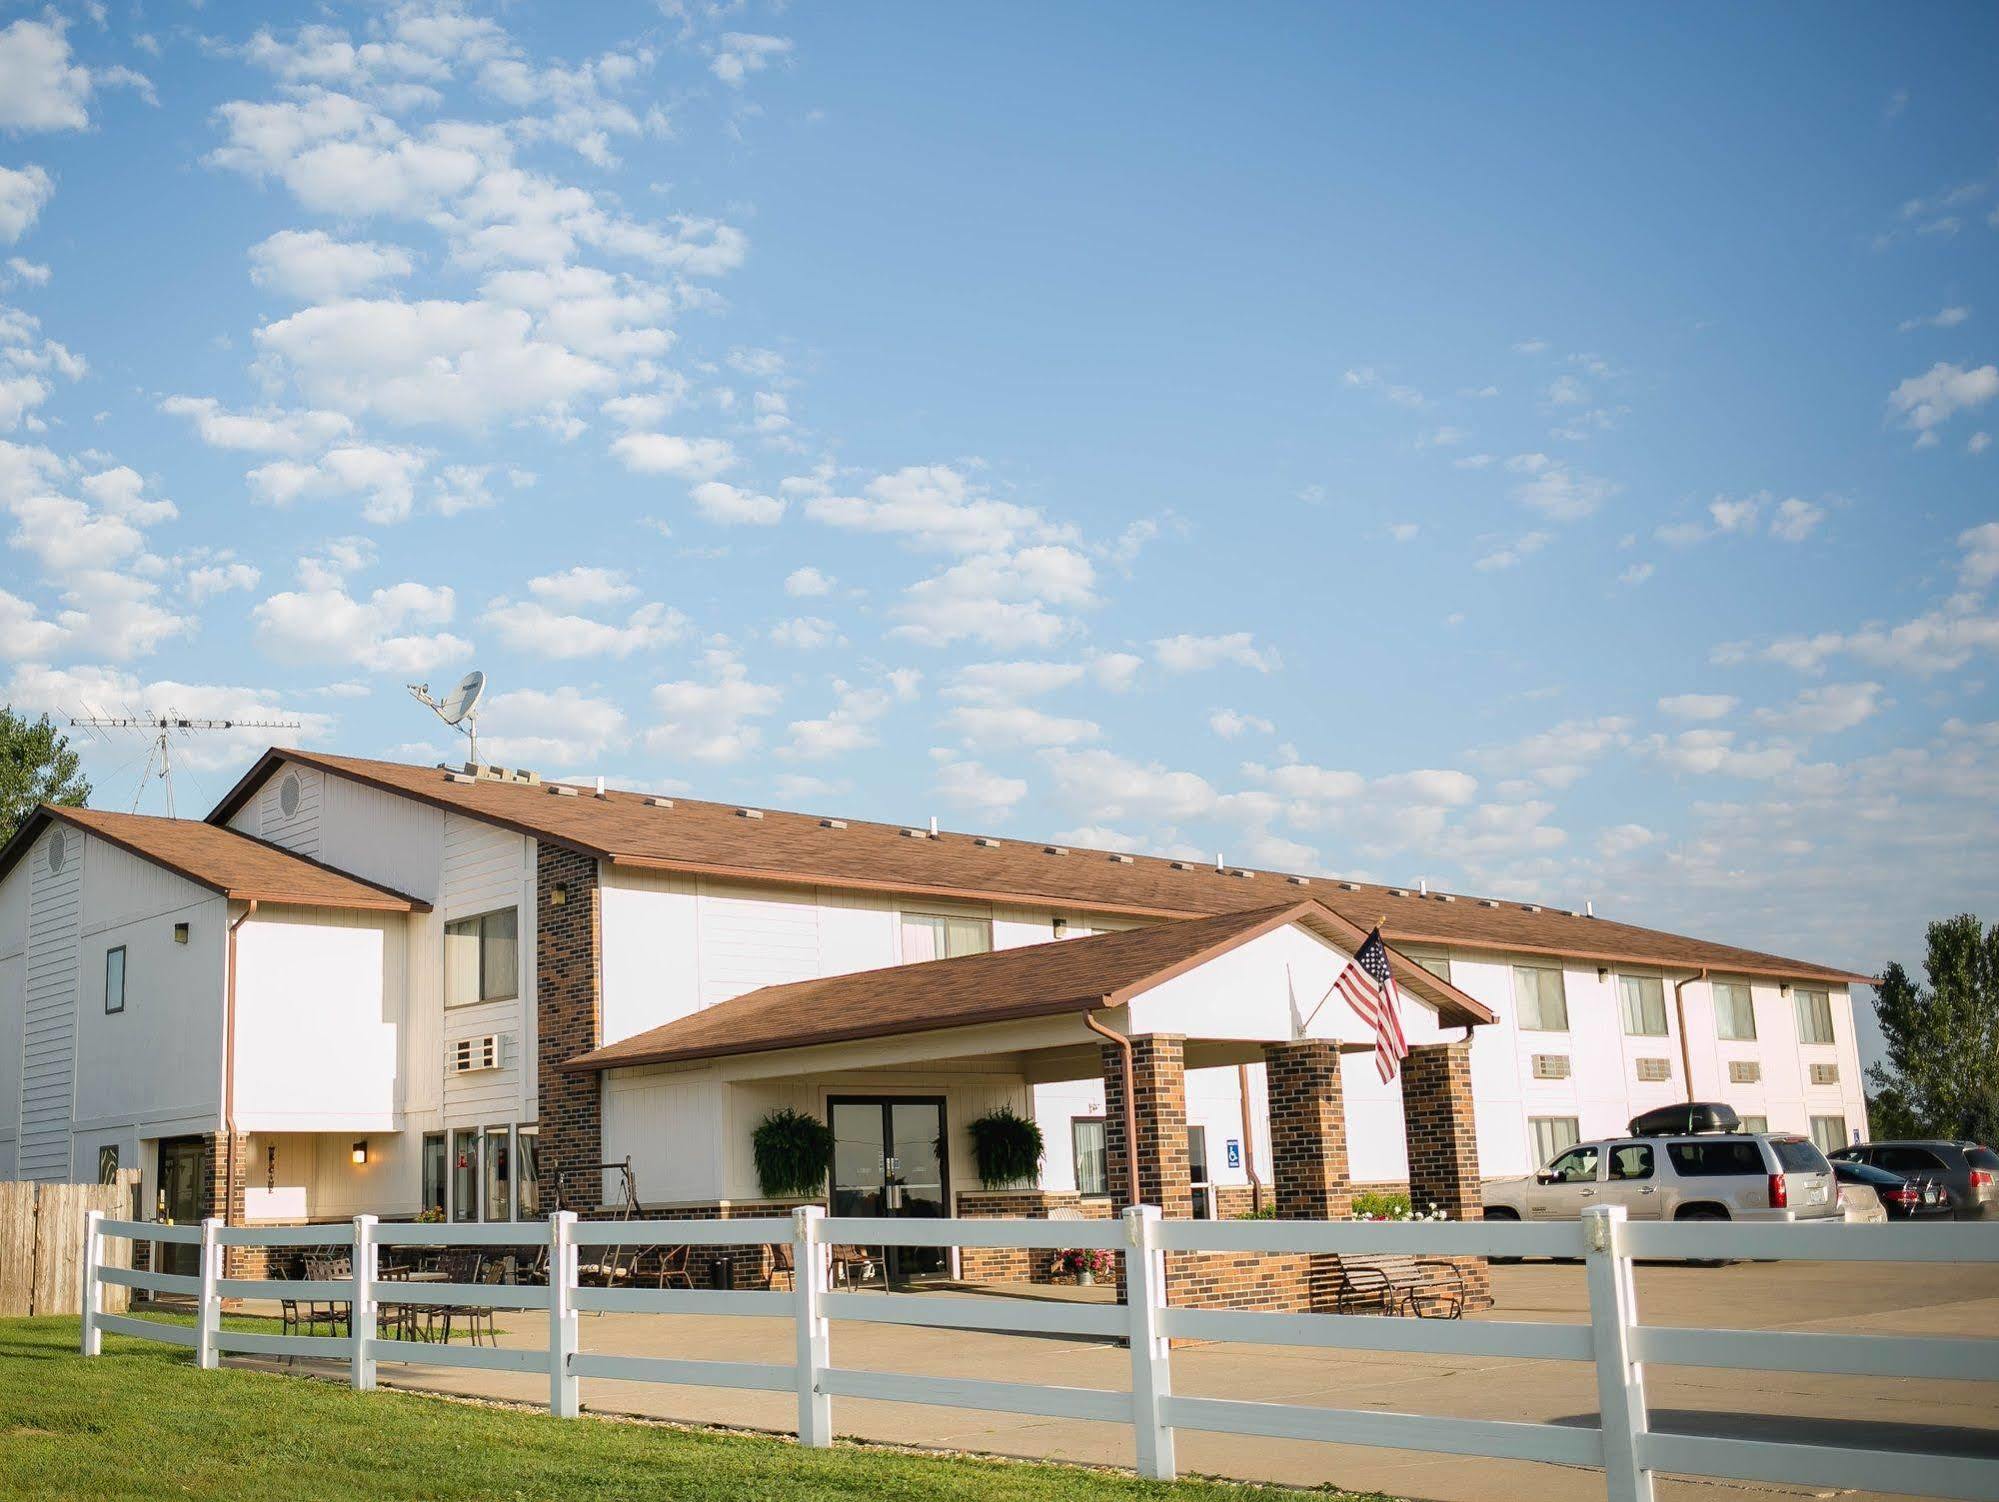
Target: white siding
[[298, 831], [48, 1049], [486, 869], [13, 1006]]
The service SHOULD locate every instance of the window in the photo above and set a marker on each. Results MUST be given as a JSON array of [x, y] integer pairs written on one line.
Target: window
[[114, 980], [1576, 1166], [1541, 1001], [464, 1175], [1093, 1174], [1829, 1132], [1438, 965], [1644, 1005], [1755, 1123], [433, 1172], [499, 1173], [1632, 1160], [1814, 1016], [1197, 1173], [1907, 1161], [527, 1172], [943, 936], [1734, 1011], [482, 958], [1715, 1157], [107, 1164], [1552, 1134]]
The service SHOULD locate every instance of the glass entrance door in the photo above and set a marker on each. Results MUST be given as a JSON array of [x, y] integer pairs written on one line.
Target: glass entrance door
[[178, 1199], [889, 1160]]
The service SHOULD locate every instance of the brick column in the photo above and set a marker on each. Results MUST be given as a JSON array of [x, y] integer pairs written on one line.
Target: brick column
[[1442, 1135], [568, 1019], [1308, 1131], [1159, 1081]]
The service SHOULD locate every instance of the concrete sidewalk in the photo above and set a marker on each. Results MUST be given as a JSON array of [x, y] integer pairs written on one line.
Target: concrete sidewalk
[[1957, 1417]]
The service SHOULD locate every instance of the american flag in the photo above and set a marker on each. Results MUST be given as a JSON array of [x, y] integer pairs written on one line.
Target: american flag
[[1368, 984]]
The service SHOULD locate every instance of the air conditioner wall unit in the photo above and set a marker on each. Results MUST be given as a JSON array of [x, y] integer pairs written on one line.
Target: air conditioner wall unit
[[471, 1055]]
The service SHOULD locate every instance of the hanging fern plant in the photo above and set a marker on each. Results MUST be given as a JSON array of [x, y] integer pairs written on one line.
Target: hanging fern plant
[[1007, 1149], [793, 1152]]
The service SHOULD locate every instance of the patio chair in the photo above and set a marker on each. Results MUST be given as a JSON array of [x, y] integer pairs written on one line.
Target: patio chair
[[335, 1314], [1427, 1287], [465, 1267], [854, 1265], [667, 1267], [780, 1266]]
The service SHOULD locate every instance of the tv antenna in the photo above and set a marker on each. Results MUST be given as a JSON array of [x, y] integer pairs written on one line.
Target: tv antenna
[[162, 728], [459, 708]]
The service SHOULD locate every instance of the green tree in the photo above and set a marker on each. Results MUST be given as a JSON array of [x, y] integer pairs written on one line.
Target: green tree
[[1942, 1076], [37, 765]]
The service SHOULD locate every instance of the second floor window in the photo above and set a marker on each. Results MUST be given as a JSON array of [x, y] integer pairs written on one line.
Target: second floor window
[[1814, 1016], [1542, 1002], [114, 980], [482, 958], [1734, 1014], [943, 936], [1644, 1005]]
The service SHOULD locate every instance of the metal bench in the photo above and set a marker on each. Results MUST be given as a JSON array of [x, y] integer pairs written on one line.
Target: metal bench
[[1427, 1287]]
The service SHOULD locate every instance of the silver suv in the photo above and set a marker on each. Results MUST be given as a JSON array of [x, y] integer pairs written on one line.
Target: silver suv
[[1708, 1176]]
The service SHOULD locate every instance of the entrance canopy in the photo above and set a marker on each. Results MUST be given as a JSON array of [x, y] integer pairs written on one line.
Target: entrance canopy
[[1234, 982]]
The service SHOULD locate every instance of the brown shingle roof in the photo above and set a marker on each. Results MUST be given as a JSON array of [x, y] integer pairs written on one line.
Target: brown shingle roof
[[1038, 980], [222, 860], [716, 839]]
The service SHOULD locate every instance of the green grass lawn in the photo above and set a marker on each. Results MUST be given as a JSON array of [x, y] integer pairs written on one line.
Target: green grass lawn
[[142, 1421]]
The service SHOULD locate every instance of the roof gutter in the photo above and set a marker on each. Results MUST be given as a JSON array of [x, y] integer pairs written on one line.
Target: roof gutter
[[1130, 1102], [229, 1065], [1680, 1016]]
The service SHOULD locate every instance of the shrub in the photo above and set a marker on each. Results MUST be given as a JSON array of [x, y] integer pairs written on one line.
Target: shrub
[[1373, 1204], [1006, 1149], [793, 1152]]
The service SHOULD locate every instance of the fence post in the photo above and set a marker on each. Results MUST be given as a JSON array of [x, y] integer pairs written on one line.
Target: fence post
[[361, 1311], [564, 1399], [1620, 1381], [208, 1312], [1151, 1353], [815, 1346], [93, 1256]]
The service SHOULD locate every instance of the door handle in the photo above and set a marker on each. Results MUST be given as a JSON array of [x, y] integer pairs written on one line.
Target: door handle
[[1650, 1189], [1587, 1193]]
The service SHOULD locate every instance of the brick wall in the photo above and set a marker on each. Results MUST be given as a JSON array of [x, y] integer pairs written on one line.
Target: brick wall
[[568, 954], [1159, 1087], [1441, 1127], [1002, 1264]]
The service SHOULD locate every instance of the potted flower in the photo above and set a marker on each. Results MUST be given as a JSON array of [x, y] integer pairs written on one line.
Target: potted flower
[[1084, 1264], [1007, 1148]]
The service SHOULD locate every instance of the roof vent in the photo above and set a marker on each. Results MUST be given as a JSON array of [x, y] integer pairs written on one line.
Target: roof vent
[[291, 792], [1530, 907], [933, 826], [1054, 849], [1182, 866], [1122, 860], [468, 777], [1349, 886], [832, 823], [1589, 908], [560, 789], [1423, 887], [1245, 875], [1487, 902], [659, 803], [1445, 897], [58, 851], [600, 789], [917, 834], [527, 775], [1397, 892], [986, 840], [749, 813], [1299, 881]]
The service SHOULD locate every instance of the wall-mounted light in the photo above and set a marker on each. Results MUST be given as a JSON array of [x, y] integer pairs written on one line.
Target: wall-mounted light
[[1784, 989], [1060, 927], [361, 1151], [271, 1167], [180, 933], [558, 895], [1603, 972]]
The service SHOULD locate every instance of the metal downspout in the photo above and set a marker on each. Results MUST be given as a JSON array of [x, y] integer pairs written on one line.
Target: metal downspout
[[229, 1065], [1249, 1141], [1130, 1103], [1680, 1016]]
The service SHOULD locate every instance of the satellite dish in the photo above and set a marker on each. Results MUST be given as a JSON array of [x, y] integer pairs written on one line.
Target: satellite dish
[[462, 703], [459, 708]]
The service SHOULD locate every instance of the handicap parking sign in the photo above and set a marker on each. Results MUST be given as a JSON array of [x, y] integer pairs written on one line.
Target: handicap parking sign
[[1235, 1153]]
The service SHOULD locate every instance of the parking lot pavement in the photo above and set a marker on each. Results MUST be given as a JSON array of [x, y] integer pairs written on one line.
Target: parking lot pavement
[[1927, 1300]]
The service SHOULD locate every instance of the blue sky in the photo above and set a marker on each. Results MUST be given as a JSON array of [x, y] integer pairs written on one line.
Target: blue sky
[[1536, 452]]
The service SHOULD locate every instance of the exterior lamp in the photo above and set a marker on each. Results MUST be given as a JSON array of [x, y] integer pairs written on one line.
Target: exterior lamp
[[559, 894], [180, 933], [361, 1152]]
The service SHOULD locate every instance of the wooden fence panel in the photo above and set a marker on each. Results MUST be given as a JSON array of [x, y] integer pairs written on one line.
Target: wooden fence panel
[[41, 1245], [17, 1247]]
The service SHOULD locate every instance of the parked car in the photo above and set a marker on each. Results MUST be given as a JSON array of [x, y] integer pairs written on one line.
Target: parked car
[[1967, 1172], [1894, 1197], [1859, 1205], [1749, 1176]]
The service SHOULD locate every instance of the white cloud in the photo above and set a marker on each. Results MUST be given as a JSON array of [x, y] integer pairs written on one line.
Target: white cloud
[[1404, 531], [23, 192], [563, 728], [1795, 520], [386, 477], [742, 53], [933, 506], [581, 587], [540, 629], [1193, 654], [1980, 564], [1943, 318], [1005, 600], [730, 505], [312, 266], [1107, 786], [1231, 724], [709, 720], [1931, 399], [1367, 378], [1636, 573], [41, 86], [1562, 755], [1513, 554], [385, 632], [104, 690], [1826, 710], [805, 633], [668, 454], [850, 724], [1555, 490], [1623, 839], [1715, 753], [212, 579], [807, 583], [1699, 706], [262, 430], [1001, 724], [967, 784]]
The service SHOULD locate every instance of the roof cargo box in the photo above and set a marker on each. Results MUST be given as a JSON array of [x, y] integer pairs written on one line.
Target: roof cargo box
[[1686, 1118]]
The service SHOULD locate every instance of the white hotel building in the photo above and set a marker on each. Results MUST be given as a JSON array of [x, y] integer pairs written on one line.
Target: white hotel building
[[360, 986]]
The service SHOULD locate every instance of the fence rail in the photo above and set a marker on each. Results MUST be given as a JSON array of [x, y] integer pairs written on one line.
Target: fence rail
[[1614, 1342]]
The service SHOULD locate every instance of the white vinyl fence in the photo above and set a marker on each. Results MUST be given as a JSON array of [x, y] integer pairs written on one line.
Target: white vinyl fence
[[1622, 1445]]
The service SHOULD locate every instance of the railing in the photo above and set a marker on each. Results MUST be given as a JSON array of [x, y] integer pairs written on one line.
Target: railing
[[1622, 1444]]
